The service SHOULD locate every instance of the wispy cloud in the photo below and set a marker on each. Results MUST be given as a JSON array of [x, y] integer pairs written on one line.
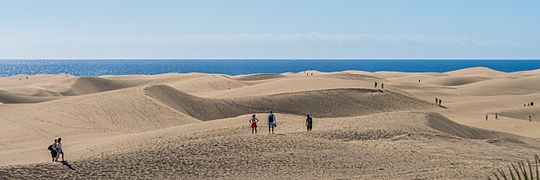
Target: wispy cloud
[[395, 39], [293, 39]]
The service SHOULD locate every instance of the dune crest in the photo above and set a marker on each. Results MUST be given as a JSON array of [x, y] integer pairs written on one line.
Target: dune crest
[[476, 71], [88, 85], [320, 103]]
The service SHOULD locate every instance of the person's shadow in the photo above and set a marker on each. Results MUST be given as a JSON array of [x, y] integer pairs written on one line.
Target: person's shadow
[[65, 163]]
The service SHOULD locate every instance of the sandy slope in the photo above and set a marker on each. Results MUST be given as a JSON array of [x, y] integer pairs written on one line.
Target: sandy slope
[[194, 125]]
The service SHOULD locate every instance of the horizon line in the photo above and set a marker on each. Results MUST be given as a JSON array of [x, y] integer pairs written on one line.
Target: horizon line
[[270, 59]]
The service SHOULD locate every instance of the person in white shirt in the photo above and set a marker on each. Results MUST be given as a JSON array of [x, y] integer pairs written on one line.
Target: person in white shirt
[[59, 150]]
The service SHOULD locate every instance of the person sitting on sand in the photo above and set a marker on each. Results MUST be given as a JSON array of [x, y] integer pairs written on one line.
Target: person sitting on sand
[[52, 149], [309, 123], [271, 122], [253, 122], [59, 149]]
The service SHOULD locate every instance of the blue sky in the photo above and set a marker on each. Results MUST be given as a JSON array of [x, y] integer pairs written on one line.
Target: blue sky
[[269, 29]]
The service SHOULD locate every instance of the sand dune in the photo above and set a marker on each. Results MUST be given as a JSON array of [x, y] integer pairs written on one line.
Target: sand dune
[[320, 103], [352, 76], [208, 83], [195, 126], [88, 85], [10, 98], [522, 113], [443, 124], [257, 77], [359, 147], [502, 86], [455, 81], [476, 71]]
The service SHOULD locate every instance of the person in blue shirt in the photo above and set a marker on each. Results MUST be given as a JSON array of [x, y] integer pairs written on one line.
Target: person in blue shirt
[[271, 122]]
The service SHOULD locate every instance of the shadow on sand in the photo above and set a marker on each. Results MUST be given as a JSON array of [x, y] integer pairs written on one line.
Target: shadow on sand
[[65, 163]]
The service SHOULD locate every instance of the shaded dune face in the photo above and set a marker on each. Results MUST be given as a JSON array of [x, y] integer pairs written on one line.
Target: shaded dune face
[[11, 98], [257, 77], [403, 124], [319, 103], [456, 81]]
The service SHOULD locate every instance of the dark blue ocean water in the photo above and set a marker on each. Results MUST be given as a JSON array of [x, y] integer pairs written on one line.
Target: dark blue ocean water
[[235, 67]]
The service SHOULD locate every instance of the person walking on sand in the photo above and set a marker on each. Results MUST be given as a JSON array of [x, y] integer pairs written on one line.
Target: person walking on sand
[[52, 149], [375, 84], [59, 149], [436, 101], [486, 117], [530, 118], [271, 122], [440, 102], [253, 122], [309, 123], [382, 86]]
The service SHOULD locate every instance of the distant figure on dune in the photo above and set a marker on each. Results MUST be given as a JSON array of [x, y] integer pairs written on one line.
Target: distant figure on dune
[[309, 123], [253, 122], [486, 117], [496, 116], [532, 103], [271, 122], [382, 86], [419, 80], [58, 147], [52, 149], [440, 102], [436, 101], [530, 118], [375, 85]]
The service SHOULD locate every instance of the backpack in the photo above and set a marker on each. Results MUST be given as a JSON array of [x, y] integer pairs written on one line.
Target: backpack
[[271, 118], [50, 148]]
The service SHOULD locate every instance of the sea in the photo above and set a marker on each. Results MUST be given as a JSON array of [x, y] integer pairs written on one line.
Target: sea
[[97, 67]]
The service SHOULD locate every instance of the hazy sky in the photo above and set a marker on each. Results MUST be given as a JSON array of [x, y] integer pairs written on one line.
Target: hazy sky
[[270, 29]]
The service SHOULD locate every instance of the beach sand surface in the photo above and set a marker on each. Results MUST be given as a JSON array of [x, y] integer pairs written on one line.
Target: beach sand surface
[[195, 125]]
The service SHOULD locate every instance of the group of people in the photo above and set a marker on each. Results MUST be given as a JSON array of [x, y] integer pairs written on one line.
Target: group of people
[[529, 104], [376, 85], [56, 150], [438, 101], [272, 123], [496, 116]]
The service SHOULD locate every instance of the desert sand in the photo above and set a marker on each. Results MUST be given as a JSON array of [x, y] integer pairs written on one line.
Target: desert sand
[[195, 126]]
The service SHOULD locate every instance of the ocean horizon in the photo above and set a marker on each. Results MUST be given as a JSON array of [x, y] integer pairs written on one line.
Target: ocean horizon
[[98, 67]]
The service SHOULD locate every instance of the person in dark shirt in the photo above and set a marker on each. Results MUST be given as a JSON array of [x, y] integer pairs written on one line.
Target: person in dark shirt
[[309, 123]]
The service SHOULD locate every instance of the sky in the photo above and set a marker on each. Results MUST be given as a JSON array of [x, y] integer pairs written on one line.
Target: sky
[[76, 29]]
